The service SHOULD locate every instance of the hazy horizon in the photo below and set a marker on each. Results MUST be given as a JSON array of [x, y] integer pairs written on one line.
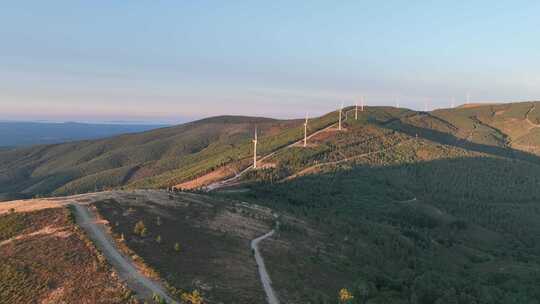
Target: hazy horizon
[[167, 121], [173, 62]]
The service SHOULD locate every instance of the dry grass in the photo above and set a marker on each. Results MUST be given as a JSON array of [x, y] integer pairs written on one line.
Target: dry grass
[[48, 260]]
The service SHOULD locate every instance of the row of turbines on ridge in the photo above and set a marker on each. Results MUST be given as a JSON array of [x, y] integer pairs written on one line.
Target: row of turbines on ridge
[[339, 122], [340, 113]]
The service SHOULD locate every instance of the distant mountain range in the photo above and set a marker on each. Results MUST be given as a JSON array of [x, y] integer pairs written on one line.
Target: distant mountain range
[[16, 134]]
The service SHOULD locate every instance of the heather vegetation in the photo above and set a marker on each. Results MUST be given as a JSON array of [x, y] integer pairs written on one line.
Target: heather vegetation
[[198, 245], [44, 258]]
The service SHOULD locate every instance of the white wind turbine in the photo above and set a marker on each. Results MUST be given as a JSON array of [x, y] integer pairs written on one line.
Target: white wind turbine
[[255, 150], [356, 111], [362, 104], [340, 111], [305, 130]]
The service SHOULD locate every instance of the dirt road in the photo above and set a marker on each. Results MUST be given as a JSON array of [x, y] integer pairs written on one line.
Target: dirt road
[[141, 285], [271, 297]]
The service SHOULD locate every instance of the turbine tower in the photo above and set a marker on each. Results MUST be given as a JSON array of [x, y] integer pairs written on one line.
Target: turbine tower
[[356, 111], [362, 104], [340, 111], [305, 131], [255, 150]]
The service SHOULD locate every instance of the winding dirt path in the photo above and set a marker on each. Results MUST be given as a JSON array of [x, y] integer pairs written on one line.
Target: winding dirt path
[[136, 281], [271, 297], [531, 124]]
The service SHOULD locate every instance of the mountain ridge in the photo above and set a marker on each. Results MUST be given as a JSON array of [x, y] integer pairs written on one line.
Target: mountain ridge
[[176, 154]]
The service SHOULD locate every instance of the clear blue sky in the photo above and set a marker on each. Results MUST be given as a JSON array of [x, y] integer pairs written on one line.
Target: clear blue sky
[[174, 60]]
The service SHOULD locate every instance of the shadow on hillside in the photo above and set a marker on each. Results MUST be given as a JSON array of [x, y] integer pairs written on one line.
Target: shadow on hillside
[[496, 193], [459, 216], [483, 179], [451, 140]]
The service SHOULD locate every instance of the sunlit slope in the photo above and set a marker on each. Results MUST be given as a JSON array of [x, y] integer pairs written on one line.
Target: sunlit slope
[[381, 135], [378, 137], [158, 158], [222, 146], [515, 125]]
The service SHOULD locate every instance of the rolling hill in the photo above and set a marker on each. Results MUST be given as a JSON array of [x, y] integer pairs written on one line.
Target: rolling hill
[[154, 159], [413, 208], [398, 207], [221, 146], [117, 161]]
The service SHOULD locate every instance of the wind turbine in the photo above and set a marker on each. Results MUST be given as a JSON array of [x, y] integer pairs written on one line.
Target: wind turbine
[[356, 111], [255, 150], [340, 111], [305, 131], [362, 104], [468, 97]]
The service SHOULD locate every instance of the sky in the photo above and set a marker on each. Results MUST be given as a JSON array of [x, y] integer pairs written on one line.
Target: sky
[[173, 61]]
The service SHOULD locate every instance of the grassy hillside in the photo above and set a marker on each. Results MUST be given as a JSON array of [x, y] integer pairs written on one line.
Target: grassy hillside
[[497, 124], [213, 254], [437, 218], [399, 207], [171, 156], [145, 159], [45, 258]]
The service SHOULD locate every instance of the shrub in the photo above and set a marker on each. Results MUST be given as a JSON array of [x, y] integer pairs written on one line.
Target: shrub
[[192, 298], [158, 299], [140, 228]]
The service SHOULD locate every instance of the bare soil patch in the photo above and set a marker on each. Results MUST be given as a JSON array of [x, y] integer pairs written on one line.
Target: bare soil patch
[[216, 175]]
